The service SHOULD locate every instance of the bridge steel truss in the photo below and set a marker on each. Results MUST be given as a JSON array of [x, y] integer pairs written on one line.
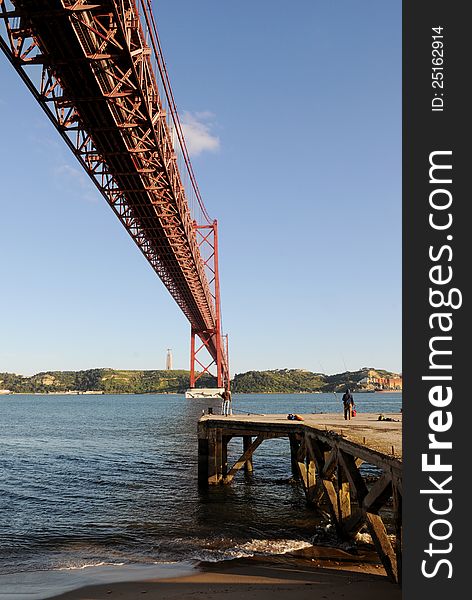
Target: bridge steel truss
[[89, 66]]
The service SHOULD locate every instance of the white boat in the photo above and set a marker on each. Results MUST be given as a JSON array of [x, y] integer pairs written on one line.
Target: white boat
[[204, 393]]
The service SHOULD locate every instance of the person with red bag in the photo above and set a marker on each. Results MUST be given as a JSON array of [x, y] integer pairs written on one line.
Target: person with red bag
[[348, 404]]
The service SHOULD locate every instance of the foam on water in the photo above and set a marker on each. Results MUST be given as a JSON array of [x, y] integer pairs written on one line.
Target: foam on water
[[88, 565], [254, 547]]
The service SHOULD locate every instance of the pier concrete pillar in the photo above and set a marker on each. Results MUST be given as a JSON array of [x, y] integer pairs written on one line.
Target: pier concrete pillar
[[202, 462], [344, 501], [248, 465], [214, 456], [311, 479]]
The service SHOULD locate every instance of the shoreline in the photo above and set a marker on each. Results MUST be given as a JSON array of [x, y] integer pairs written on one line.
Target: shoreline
[[261, 578], [315, 572], [41, 585]]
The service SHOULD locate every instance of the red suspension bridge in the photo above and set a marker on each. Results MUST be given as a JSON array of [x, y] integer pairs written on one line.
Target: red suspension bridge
[[97, 70]]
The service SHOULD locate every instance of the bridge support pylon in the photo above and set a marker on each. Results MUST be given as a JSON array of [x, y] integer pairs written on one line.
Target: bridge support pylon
[[209, 348]]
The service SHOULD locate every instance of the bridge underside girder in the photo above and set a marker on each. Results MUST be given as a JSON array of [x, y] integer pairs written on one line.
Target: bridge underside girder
[[90, 68]]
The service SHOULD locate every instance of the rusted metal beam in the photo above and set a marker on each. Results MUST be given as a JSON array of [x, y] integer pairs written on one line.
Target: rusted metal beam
[[98, 87]]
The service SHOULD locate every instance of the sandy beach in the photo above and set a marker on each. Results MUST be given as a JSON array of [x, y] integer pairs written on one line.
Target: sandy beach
[[275, 578]]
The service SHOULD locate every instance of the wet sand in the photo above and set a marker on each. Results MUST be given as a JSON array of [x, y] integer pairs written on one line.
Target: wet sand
[[277, 578]]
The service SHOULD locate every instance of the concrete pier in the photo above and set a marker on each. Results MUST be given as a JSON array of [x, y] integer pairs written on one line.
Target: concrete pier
[[325, 452]]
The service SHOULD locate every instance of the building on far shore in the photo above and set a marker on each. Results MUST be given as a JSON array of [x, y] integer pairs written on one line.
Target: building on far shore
[[374, 380], [5, 392]]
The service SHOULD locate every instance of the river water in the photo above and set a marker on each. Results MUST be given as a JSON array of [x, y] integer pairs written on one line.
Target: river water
[[112, 480]]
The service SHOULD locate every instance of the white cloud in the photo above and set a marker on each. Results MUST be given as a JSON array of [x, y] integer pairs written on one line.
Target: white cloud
[[74, 181], [68, 171], [197, 132]]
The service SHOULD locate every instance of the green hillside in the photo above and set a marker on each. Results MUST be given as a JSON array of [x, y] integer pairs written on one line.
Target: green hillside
[[107, 381], [281, 381], [112, 381], [299, 380]]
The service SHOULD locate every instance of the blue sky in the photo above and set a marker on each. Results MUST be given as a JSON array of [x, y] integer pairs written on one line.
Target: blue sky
[[293, 114]]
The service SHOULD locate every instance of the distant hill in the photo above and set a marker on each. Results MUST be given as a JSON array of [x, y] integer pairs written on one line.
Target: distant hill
[[299, 380], [112, 381], [280, 380], [106, 381]]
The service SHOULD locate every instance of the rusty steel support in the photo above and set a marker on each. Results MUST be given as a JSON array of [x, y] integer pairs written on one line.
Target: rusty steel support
[[202, 356], [97, 71]]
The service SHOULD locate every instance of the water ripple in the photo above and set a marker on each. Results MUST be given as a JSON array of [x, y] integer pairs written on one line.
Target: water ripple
[[113, 479]]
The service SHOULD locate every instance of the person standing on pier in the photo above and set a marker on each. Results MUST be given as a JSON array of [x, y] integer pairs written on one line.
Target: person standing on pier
[[348, 404], [226, 405]]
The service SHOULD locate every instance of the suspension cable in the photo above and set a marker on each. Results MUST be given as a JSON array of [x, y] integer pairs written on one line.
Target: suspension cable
[[152, 28]]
